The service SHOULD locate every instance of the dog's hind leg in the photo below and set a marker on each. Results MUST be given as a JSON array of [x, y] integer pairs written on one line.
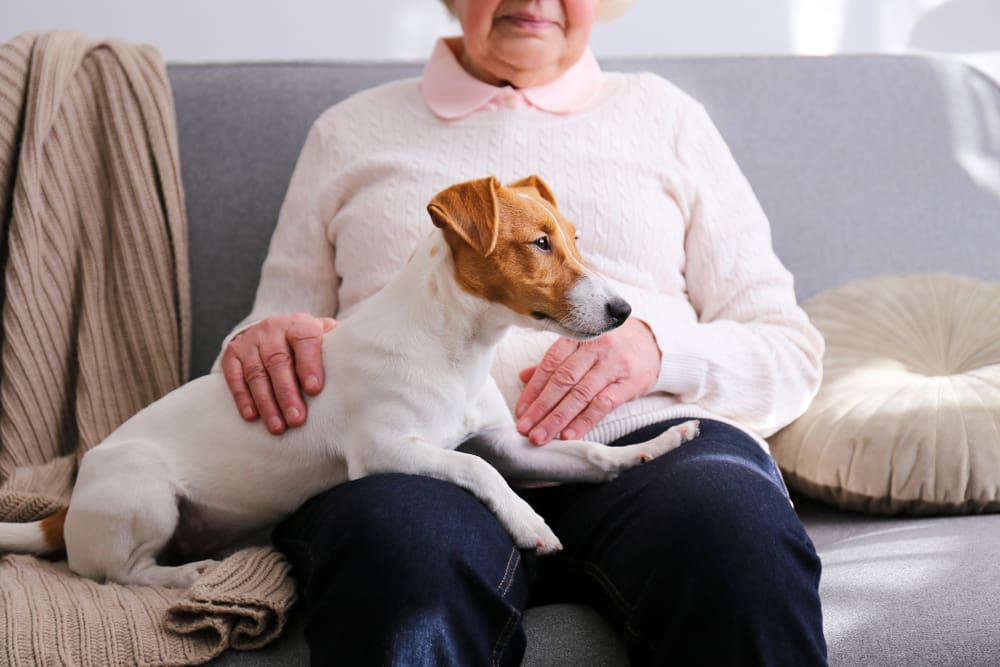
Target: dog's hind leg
[[416, 456], [569, 460], [123, 513], [148, 573]]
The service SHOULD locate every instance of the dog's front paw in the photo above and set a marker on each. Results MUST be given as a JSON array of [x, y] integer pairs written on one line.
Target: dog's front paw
[[531, 532]]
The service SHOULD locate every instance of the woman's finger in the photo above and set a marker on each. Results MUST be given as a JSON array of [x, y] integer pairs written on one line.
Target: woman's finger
[[553, 359], [282, 384], [603, 403], [305, 336], [571, 401], [232, 370], [256, 375], [569, 387]]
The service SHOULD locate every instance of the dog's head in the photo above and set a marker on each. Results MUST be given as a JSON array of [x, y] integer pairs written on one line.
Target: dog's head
[[512, 246]]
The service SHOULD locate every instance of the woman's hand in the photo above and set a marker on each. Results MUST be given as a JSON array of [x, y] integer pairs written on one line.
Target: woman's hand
[[269, 364], [576, 384]]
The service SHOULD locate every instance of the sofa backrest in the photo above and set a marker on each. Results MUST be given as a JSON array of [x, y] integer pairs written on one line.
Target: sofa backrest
[[864, 164]]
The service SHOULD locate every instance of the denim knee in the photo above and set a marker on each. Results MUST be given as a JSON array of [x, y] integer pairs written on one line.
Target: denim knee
[[406, 569], [734, 513], [380, 517], [697, 555], [736, 559]]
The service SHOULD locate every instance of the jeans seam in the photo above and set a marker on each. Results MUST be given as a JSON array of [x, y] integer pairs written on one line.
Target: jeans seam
[[508, 574], [630, 632], [504, 637], [597, 574], [623, 605]]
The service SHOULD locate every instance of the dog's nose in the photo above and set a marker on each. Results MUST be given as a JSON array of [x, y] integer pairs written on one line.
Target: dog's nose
[[618, 310]]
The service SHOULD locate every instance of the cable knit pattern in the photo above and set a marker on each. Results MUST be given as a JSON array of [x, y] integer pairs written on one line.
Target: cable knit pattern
[[661, 207]]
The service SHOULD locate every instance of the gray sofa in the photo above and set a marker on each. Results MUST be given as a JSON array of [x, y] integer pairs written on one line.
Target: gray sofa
[[865, 164]]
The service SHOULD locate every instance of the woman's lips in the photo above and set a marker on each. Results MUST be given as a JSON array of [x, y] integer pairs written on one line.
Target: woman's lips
[[529, 21]]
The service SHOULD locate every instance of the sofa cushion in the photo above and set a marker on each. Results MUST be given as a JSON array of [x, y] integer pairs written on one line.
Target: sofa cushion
[[907, 418]]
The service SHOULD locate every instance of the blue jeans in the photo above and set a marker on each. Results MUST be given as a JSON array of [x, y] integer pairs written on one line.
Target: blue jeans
[[696, 558]]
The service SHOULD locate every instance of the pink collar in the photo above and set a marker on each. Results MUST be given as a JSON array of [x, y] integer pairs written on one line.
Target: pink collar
[[452, 93]]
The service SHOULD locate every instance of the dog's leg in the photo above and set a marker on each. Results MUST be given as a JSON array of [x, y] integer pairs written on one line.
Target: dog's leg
[[570, 460], [129, 545], [122, 514], [416, 456]]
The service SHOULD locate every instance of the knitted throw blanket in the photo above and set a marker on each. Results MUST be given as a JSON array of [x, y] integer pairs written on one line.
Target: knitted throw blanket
[[93, 278]]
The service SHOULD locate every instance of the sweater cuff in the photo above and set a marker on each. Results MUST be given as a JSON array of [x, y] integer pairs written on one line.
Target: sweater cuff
[[682, 373], [683, 366]]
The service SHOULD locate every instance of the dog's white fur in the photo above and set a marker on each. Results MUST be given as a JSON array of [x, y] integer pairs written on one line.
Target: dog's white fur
[[411, 384]]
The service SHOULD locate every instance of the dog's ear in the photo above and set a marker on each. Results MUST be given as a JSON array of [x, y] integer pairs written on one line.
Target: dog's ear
[[540, 186], [470, 210]]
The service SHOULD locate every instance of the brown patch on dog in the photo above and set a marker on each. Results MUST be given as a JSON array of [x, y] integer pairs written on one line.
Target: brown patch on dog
[[538, 185], [52, 529], [496, 237], [434, 251], [469, 210]]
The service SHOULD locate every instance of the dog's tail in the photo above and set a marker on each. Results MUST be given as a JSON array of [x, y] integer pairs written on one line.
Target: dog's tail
[[35, 537]]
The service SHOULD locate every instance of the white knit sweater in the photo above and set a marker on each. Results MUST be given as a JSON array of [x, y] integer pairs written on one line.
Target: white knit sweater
[[661, 207]]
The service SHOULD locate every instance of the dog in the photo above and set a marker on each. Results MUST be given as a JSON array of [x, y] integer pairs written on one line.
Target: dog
[[411, 368]]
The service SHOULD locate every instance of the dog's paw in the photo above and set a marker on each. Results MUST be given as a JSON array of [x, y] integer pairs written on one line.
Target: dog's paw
[[689, 430], [670, 439], [185, 575], [548, 550], [151, 574], [534, 534]]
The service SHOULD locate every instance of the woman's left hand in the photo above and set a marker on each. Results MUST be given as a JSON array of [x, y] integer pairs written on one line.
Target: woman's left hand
[[576, 384]]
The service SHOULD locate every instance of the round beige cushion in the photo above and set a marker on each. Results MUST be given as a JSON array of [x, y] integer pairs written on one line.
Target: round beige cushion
[[907, 418]]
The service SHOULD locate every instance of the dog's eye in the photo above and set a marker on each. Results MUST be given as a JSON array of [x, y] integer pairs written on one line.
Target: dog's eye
[[543, 244]]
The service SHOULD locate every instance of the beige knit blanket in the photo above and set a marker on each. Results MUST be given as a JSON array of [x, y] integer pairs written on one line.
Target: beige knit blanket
[[93, 278]]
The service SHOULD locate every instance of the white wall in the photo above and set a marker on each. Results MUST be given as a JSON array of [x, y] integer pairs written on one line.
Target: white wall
[[192, 30]]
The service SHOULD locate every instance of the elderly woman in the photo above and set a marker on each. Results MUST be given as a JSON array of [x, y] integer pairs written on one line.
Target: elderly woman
[[697, 557]]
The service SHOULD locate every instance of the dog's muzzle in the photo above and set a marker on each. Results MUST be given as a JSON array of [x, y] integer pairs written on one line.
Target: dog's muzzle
[[596, 308]]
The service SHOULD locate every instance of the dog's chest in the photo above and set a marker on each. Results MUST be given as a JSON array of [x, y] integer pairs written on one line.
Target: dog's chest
[[449, 417], [443, 414]]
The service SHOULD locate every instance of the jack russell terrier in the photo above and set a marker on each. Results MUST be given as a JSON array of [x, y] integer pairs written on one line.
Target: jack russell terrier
[[412, 385]]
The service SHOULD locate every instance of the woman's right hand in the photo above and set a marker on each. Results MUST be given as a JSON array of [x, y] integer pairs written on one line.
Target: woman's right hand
[[269, 364]]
